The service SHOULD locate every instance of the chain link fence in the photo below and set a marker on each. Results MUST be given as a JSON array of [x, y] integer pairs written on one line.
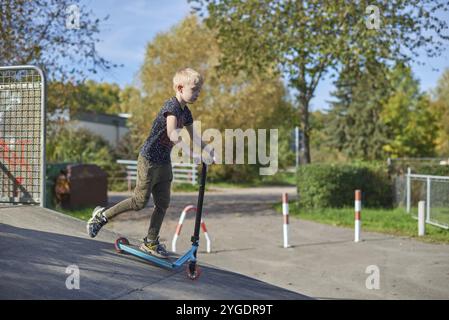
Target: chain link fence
[[22, 135], [431, 187], [434, 190]]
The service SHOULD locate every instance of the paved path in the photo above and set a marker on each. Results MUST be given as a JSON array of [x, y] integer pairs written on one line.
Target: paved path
[[247, 260], [323, 261]]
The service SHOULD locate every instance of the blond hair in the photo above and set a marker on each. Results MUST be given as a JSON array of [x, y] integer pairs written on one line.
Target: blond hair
[[187, 76]]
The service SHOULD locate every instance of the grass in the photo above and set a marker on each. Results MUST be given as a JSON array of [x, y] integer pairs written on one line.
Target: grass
[[389, 221], [278, 179], [440, 214], [186, 187], [82, 213]]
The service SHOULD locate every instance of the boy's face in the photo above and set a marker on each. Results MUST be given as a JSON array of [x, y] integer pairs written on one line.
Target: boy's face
[[190, 92]]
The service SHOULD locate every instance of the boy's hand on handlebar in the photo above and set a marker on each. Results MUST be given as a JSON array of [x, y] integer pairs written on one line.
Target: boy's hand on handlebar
[[207, 158], [210, 158]]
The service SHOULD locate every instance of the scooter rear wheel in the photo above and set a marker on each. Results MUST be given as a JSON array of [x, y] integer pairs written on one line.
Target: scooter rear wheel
[[193, 271], [120, 241]]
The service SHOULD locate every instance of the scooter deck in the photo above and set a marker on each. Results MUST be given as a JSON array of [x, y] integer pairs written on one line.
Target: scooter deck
[[135, 251], [122, 245]]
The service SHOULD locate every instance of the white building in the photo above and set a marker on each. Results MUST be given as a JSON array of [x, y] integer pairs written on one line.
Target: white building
[[111, 127]]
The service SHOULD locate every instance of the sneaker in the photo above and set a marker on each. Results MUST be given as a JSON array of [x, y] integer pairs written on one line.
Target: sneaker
[[154, 248], [97, 221]]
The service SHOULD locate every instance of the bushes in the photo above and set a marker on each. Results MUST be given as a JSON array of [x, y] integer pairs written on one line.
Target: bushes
[[238, 173], [72, 145], [419, 168], [66, 144], [333, 185]]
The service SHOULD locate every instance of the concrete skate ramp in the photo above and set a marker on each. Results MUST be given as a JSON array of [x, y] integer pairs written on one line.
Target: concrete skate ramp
[[38, 245]]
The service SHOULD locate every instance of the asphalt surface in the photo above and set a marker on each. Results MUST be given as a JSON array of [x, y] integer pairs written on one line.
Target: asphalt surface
[[40, 250], [247, 259], [323, 261]]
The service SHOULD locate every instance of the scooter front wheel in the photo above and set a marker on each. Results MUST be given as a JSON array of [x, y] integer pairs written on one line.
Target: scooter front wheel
[[193, 271], [118, 242]]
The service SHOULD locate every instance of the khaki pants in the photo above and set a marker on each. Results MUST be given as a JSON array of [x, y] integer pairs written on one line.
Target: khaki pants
[[152, 179]]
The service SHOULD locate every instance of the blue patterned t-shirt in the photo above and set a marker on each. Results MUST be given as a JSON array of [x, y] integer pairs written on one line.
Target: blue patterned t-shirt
[[158, 145]]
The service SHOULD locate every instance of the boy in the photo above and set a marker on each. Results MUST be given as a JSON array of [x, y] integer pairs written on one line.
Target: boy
[[154, 171]]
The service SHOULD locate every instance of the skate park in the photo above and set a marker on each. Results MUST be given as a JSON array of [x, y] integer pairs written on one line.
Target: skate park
[[330, 184], [323, 262], [38, 245]]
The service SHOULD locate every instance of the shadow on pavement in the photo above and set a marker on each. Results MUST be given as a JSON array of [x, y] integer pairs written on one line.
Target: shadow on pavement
[[34, 265]]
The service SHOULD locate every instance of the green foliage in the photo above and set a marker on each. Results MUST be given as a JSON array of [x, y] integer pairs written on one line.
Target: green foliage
[[238, 173], [127, 147], [440, 108], [410, 125], [99, 97], [307, 39], [81, 213], [354, 127], [435, 169], [381, 113], [70, 145], [87, 96], [187, 187], [333, 185], [61, 96], [320, 150], [65, 144], [129, 97]]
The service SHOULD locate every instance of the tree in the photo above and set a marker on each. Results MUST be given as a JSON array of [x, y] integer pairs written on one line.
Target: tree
[[99, 97], [306, 39], [381, 112], [411, 126], [440, 107], [61, 96], [59, 36], [355, 126], [131, 102], [87, 96], [340, 120], [129, 98], [320, 150]]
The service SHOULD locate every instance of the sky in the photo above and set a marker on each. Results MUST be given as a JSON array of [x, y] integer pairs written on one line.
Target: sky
[[132, 24]]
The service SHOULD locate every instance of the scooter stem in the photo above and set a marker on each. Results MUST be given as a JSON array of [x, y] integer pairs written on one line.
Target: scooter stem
[[199, 207]]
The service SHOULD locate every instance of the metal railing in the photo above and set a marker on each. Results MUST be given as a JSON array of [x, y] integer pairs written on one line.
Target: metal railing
[[182, 172], [434, 190], [22, 135]]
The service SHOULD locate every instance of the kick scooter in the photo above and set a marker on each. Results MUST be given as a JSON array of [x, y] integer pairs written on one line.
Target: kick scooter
[[122, 244]]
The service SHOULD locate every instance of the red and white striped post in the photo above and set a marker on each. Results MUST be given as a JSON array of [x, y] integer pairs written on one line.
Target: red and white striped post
[[179, 227], [285, 215], [358, 219]]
